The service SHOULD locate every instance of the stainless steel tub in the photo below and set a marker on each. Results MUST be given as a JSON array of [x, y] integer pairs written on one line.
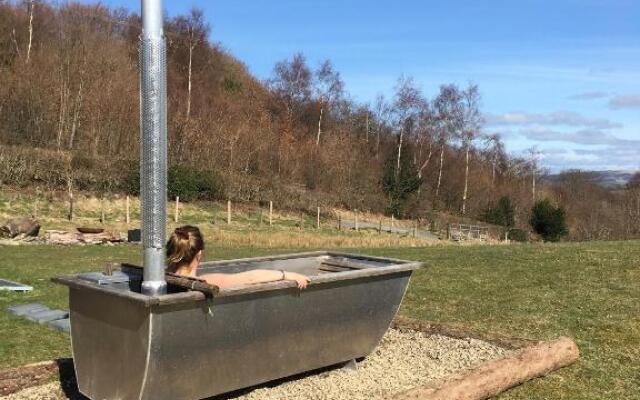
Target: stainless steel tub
[[184, 346]]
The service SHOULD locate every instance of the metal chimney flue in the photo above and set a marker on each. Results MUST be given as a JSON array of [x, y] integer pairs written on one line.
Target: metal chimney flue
[[153, 146]]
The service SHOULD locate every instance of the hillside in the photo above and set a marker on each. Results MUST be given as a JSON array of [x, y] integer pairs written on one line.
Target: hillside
[[69, 116], [607, 179]]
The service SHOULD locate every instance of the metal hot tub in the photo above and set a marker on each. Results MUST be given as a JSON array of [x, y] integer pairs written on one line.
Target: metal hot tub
[[183, 345]]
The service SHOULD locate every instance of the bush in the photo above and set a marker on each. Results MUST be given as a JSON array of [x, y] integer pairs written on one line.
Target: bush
[[188, 183], [399, 186], [502, 214], [518, 235], [548, 221], [191, 184]]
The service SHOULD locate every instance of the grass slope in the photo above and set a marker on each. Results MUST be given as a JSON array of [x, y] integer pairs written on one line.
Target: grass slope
[[590, 291]]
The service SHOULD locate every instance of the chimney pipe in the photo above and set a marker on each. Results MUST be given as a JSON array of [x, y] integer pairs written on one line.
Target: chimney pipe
[[153, 146]]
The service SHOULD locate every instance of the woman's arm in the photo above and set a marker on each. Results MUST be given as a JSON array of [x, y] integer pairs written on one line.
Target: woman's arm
[[254, 276]]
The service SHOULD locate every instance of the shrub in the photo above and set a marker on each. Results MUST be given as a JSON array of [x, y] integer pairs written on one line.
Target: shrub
[[502, 214], [131, 183], [548, 221], [191, 184], [518, 235], [188, 183], [399, 185]]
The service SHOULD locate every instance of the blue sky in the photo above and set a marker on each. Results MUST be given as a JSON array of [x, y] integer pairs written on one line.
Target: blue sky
[[562, 75]]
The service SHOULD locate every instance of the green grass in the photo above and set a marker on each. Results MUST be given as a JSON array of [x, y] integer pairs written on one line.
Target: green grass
[[590, 291]]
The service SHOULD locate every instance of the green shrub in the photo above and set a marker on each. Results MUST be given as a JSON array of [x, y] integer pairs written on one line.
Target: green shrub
[[131, 183], [191, 184], [188, 183], [548, 221], [518, 235], [502, 214]]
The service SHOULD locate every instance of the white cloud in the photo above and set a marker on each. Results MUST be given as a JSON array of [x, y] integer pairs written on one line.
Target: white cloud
[[557, 118], [581, 136], [589, 96], [629, 101]]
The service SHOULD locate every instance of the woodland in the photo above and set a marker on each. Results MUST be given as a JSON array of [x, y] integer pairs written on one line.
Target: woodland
[[69, 117]]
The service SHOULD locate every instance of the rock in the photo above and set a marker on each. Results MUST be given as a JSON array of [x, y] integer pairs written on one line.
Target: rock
[[24, 227]]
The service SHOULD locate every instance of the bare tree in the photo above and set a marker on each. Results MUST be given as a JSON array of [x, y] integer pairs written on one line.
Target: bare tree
[[496, 153], [534, 155], [31, 9], [448, 107], [471, 122], [381, 111], [329, 89], [291, 84], [425, 132], [407, 105]]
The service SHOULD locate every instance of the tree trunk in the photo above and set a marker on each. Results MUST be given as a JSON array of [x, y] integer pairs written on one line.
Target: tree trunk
[[399, 153], [319, 125], [466, 181], [15, 42], [533, 185], [76, 115], [189, 84], [367, 128], [377, 141], [426, 162], [64, 97], [493, 173], [440, 171], [494, 377], [30, 31]]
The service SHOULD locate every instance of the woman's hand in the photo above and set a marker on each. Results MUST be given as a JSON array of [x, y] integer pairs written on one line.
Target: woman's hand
[[300, 279]]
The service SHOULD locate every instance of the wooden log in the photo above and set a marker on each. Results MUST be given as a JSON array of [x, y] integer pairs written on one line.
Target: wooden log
[[494, 377], [186, 282], [196, 284]]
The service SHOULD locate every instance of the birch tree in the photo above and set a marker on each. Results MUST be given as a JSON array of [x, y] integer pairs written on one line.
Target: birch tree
[[329, 89], [407, 105], [471, 122], [495, 152], [448, 108], [32, 5]]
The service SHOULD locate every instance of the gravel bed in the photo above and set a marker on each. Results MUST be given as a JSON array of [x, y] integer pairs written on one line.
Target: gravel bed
[[403, 360]]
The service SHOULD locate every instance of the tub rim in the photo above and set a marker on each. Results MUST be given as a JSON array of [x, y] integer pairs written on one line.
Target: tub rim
[[397, 266]]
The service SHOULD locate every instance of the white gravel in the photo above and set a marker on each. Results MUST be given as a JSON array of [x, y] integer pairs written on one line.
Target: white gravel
[[403, 360]]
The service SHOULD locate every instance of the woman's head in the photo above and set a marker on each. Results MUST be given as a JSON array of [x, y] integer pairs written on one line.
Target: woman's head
[[184, 245]]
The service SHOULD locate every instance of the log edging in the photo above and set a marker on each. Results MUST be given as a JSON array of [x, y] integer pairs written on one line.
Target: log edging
[[529, 360]]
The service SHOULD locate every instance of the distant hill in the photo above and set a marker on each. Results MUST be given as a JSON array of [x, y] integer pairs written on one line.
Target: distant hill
[[608, 179]]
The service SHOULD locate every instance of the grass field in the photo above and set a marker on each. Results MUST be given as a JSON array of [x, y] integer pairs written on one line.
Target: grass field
[[590, 291]]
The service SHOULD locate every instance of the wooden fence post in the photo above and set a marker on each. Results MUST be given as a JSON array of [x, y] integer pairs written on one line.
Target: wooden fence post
[[380, 226], [392, 220], [127, 210], [70, 215], [176, 215], [228, 212], [318, 219], [102, 214], [270, 213], [339, 222], [356, 215]]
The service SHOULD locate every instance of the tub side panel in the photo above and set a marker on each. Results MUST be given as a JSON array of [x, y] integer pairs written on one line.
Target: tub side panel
[[242, 341], [109, 340]]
